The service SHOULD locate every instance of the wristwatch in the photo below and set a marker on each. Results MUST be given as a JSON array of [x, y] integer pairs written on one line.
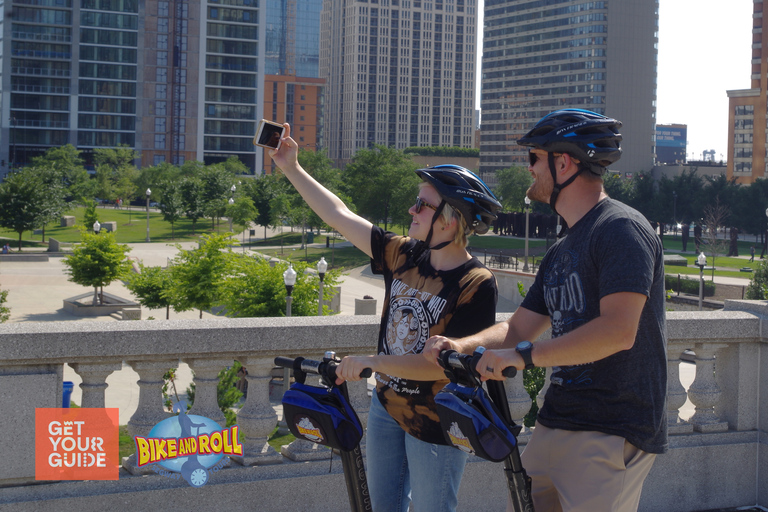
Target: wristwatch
[[524, 348]]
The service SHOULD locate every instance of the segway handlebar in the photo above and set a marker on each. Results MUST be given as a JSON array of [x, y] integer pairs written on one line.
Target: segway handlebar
[[325, 368], [450, 359]]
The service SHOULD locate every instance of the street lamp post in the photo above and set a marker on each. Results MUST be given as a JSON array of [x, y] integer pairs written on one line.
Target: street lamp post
[[527, 212], [674, 210], [322, 267], [231, 202], [149, 193], [289, 278], [96, 227], [701, 261]]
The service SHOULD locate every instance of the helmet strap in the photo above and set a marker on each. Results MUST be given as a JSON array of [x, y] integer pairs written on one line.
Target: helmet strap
[[557, 188], [436, 216]]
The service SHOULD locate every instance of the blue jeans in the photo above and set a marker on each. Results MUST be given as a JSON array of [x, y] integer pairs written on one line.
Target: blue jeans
[[401, 468]]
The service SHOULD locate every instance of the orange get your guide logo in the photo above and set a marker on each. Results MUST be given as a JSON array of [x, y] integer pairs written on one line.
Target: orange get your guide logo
[[76, 444]]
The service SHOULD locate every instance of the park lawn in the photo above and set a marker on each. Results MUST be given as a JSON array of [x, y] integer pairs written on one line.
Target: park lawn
[[131, 227]]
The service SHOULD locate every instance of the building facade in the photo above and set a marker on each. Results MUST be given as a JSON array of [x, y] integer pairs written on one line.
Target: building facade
[[175, 80], [293, 91], [399, 73], [540, 56], [747, 119]]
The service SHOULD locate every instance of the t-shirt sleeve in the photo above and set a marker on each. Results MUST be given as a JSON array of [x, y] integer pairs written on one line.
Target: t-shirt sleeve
[[627, 256], [378, 242], [477, 314]]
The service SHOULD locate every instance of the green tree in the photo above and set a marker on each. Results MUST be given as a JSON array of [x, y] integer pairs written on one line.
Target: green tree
[[191, 191], [91, 215], [758, 284], [513, 184], [5, 311], [197, 275], [259, 289], [64, 165], [151, 286], [216, 190], [97, 261], [171, 204], [242, 212], [372, 176], [26, 203], [262, 192]]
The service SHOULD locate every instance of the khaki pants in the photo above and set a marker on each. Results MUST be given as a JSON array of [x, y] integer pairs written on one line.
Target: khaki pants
[[584, 471]]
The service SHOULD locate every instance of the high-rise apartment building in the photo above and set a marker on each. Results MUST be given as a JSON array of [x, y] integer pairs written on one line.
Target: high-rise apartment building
[[176, 80], [747, 119], [540, 56], [400, 73], [293, 92]]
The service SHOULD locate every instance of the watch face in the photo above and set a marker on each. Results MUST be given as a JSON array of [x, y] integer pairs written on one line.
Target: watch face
[[524, 345]]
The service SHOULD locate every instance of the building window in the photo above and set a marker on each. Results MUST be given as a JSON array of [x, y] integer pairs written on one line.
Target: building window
[[159, 141]]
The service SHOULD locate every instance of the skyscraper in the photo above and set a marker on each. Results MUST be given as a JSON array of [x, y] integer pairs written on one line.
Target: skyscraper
[[176, 80], [399, 72], [545, 55], [293, 92], [747, 119]]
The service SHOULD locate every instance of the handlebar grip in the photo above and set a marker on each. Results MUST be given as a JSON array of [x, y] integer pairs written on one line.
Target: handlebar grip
[[509, 372], [367, 372], [284, 362]]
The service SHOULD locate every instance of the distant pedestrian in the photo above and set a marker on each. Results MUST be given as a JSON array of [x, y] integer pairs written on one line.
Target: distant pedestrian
[[752, 253]]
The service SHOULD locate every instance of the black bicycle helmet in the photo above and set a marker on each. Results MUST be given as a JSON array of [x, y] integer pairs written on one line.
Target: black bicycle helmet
[[592, 138], [464, 191]]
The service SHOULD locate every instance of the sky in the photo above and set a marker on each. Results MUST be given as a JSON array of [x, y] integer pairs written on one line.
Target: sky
[[704, 51]]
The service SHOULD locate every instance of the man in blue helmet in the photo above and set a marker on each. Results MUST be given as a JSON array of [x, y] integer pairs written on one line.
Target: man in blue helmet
[[601, 291]]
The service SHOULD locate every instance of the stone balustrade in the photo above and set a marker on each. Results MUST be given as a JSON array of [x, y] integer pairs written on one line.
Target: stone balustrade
[[718, 456]]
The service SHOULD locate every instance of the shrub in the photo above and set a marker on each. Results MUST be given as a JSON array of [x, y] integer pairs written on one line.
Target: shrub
[[687, 285], [758, 284]]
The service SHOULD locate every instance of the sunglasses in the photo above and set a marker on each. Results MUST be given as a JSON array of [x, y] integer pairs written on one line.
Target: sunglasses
[[420, 202], [534, 157]]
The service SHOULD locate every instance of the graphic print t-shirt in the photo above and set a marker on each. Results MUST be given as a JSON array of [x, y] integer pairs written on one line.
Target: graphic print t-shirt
[[421, 302]]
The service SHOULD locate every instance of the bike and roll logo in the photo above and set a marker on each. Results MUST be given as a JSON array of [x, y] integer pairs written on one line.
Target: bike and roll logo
[[188, 446], [458, 439]]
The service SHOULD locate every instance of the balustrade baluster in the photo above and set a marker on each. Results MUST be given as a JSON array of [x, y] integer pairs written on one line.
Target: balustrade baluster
[[676, 394], [257, 418], [151, 409], [94, 383], [704, 393], [519, 401], [206, 373]]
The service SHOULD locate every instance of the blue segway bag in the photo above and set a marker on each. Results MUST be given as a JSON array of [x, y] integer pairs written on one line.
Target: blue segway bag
[[321, 415], [472, 423]]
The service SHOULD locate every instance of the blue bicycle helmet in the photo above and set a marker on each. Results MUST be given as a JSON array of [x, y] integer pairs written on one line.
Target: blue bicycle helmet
[[592, 138], [465, 192], [589, 137]]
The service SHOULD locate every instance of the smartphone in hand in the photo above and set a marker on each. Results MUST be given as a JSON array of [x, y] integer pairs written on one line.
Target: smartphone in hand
[[269, 134]]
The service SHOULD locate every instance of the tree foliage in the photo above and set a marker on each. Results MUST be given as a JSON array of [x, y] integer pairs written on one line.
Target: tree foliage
[[197, 275], [513, 184], [151, 286], [259, 289], [26, 202], [97, 260], [379, 180]]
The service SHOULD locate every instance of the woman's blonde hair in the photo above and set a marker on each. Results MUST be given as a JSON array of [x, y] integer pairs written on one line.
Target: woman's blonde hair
[[448, 214]]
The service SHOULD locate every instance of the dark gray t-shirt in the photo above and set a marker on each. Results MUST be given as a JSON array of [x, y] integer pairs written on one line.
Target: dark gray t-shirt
[[611, 249]]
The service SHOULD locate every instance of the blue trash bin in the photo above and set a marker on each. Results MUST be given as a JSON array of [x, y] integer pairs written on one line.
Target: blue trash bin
[[65, 399]]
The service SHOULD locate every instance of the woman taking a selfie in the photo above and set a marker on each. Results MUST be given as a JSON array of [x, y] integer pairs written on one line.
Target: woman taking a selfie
[[433, 286]]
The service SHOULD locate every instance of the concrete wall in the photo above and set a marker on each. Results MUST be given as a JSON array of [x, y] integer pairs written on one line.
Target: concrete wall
[[702, 471]]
